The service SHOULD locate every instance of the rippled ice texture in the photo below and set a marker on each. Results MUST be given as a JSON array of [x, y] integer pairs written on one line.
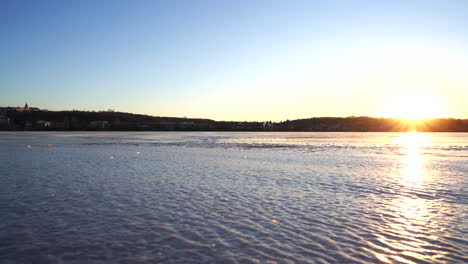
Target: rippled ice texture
[[233, 197]]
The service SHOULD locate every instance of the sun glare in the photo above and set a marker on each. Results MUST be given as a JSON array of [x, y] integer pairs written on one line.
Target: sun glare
[[412, 105]]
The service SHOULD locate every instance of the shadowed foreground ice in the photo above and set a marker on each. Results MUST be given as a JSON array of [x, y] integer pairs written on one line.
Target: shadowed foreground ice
[[233, 198]]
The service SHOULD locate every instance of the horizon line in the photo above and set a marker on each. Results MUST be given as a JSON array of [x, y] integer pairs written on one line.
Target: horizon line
[[185, 117]]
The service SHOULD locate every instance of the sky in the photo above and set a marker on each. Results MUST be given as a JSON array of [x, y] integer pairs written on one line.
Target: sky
[[236, 60]]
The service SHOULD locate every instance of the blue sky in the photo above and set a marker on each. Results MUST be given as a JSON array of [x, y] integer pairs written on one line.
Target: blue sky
[[232, 60]]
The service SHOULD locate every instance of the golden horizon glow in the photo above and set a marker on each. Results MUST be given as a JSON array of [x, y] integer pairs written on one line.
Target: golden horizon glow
[[412, 105]]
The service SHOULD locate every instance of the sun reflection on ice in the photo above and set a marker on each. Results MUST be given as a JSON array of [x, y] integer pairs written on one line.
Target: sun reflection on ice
[[412, 176], [413, 171], [412, 214], [412, 142]]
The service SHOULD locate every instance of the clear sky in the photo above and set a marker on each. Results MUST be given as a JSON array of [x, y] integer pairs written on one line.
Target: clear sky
[[234, 60]]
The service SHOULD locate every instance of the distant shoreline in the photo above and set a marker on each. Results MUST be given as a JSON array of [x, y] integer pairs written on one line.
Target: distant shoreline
[[210, 131], [34, 119]]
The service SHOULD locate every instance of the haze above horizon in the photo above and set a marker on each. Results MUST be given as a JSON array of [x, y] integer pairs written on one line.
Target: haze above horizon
[[237, 60]]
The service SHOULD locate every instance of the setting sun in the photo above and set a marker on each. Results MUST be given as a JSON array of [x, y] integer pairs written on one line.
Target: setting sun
[[412, 105]]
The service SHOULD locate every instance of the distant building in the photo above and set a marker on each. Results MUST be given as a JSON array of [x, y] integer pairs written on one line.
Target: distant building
[[268, 125], [27, 108], [186, 123], [28, 125], [99, 124], [4, 120], [42, 124]]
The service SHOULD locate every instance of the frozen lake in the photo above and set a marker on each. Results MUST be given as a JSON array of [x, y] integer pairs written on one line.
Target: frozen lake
[[169, 197]]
